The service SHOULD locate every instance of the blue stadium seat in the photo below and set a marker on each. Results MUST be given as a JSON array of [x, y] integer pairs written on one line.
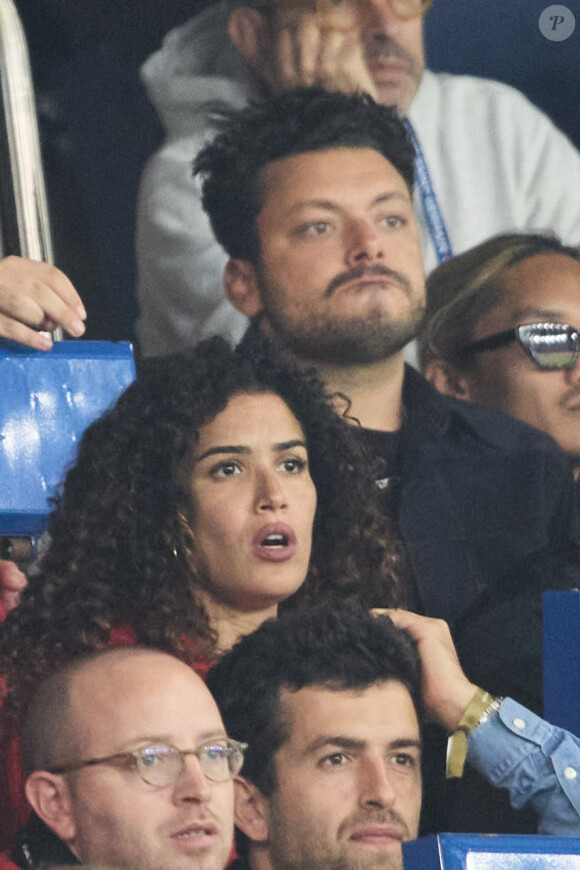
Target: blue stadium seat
[[47, 401], [492, 852], [562, 659]]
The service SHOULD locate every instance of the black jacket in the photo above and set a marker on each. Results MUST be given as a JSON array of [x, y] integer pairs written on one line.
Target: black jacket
[[489, 519], [36, 845]]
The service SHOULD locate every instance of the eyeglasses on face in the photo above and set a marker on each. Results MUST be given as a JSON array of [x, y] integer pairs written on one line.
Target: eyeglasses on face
[[344, 14], [161, 765], [550, 346]]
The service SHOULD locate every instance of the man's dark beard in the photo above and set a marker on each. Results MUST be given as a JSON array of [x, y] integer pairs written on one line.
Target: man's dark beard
[[357, 342], [286, 855], [342, 342]]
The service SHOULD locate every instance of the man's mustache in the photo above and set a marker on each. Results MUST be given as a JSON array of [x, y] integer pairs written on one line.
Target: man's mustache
[[383, 47], [364, 271], [378, 817]]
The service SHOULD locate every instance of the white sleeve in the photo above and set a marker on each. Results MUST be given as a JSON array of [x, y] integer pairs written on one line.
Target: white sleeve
[[180, 264], [548, 166]]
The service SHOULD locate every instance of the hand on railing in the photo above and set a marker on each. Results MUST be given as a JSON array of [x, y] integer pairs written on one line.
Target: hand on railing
[[37, 296]]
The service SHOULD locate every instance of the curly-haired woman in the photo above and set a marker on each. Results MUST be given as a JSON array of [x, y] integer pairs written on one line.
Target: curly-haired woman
[[219, 486]]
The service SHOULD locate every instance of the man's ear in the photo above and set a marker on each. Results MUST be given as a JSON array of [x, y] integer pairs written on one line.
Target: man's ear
[[241, 287], [250, 810], [49, 796], [247, 31], [448, 379]]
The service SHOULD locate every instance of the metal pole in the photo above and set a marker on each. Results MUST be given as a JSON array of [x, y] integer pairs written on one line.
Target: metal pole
[[24, 222]]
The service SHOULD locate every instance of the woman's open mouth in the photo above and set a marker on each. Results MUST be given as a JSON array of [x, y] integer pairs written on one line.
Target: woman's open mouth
[[275, 542]]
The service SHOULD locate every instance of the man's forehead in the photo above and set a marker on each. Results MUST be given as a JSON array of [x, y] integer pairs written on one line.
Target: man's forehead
[[362, 172], [377, 711], [533, 271], [118, 664], [138, 689], [545, 286]]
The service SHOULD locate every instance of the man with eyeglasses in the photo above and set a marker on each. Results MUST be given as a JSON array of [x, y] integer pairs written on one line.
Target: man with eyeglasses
[[128, 765], [503, 329], [487, 160]]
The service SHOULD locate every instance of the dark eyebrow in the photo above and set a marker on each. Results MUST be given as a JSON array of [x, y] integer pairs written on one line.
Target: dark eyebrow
[[406, 743], [330, 740], [543, 313], [287, 445], [351, 743], [240, 449], [333, 206], [385, 197], [226, 448]]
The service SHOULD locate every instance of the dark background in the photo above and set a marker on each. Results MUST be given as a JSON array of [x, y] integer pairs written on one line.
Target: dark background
[[98, 129]]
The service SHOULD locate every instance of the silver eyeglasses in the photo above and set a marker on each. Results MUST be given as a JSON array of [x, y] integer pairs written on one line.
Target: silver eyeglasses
[[402, 9], [550, 346], [343, 15], [161, 765]]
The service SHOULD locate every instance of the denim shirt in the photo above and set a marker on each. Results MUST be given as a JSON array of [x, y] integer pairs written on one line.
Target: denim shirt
[[538, 763]]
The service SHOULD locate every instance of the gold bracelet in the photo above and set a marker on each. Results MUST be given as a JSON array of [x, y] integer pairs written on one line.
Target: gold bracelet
[[457, 742]]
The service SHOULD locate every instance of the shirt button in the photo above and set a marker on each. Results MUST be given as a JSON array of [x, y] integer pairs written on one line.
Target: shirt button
[[519, 724], [570, 773]]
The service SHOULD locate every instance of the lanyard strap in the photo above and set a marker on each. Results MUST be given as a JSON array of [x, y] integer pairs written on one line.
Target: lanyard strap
[[431, 209]]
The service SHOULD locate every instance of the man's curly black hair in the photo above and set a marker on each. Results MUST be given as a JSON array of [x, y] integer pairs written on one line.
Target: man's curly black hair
[[295, 122], [120, 550], [340, 649]]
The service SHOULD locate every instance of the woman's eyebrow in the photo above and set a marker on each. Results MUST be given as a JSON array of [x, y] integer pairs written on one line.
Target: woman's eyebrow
[[287, 445], [226, 448], [242, 449]]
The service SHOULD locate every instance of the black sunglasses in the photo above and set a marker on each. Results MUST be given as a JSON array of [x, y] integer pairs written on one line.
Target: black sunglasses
[[550, 346]]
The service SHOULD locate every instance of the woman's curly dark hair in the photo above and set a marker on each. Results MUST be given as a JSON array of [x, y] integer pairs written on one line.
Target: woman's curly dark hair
[[119, 545]]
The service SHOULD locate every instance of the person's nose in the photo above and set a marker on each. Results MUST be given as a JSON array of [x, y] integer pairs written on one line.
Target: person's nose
[[375, 787], [363, 243], [191, 785], [270, 494]]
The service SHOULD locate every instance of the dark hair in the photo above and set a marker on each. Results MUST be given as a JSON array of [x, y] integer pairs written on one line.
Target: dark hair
[[297, 121], [340, 648], [120, 549], [462, 290]]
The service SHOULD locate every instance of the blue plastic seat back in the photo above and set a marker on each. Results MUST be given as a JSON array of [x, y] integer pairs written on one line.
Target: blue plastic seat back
[[562, 658], [47, 399], [492, 852]]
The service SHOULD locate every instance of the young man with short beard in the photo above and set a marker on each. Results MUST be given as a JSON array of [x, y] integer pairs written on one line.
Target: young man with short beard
[[489, 160], [332, 702]]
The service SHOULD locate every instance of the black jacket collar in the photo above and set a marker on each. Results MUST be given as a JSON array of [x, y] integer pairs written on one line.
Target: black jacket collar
[[36, 844]]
